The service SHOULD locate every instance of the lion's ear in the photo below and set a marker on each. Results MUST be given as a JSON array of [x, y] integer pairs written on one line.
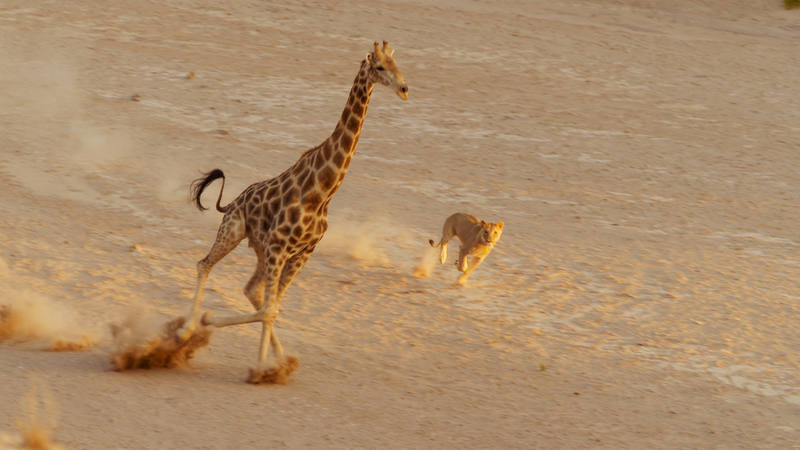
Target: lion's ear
[[500, 225]]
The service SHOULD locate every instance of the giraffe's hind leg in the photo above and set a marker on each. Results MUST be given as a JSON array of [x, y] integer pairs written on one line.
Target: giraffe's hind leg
[[230, 233], [286, 364], [254, 289]]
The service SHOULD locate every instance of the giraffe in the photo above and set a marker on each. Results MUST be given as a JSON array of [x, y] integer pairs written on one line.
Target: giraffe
[[285, 217]]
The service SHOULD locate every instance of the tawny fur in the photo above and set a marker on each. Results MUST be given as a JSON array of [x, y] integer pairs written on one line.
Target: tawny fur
[[477, 237]]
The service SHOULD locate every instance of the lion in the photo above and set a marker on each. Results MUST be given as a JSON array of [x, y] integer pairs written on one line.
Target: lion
[[477, 240]]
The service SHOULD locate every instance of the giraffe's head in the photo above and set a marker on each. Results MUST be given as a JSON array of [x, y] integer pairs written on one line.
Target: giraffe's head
[[383, 69]]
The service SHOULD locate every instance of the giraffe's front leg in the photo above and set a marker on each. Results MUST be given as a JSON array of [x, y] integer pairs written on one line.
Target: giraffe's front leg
[[268, 313]]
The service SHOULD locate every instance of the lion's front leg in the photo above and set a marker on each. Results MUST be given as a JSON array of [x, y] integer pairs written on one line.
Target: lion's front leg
[[474, 262]]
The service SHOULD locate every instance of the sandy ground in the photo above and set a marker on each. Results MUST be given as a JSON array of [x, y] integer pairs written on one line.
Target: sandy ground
[[644, 156]]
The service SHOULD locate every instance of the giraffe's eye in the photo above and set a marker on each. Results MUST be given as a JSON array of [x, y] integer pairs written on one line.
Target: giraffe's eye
[[379, 68]]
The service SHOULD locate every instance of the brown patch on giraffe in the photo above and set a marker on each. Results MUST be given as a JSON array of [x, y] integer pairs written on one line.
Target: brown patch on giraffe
[[308, 183], [137, 348], [319, 161], [294, 214], [358, 109], [297, 231], [307, 220], [248, 195], [353, 124], [285, 230], [337, 133], [345, 115], [326, 151], [346, 141], [311, 203], [285, 185], [293, 196], [302, 176], [326, 178], [347, 161], [275, 205], [338, 159]]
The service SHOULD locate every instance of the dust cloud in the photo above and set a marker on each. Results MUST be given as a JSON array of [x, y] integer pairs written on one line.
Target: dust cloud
[[278, 375], [427, 262], [143, 341], [358, 240], [35, 428], [27, 317]]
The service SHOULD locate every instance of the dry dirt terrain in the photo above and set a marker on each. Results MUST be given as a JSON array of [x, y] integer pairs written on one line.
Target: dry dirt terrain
[[644, 156]]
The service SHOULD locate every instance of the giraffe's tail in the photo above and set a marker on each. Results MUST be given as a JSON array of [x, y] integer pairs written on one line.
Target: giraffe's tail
[[198, 186]]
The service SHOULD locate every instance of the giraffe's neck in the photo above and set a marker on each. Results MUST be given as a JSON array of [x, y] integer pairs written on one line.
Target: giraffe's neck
[[337, 150]]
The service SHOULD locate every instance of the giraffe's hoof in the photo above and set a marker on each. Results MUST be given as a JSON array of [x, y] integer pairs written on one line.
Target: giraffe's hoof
[[275, 375], [206, 319], [184, 334]]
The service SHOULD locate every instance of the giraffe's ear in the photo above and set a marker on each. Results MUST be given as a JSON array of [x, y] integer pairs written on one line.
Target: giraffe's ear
[[500, 225]]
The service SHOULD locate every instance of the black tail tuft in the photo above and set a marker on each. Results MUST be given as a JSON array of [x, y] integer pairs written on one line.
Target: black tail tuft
[[430, 241], [198, 185]]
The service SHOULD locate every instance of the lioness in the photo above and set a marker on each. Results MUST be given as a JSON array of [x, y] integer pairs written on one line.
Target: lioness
[[477, 240]]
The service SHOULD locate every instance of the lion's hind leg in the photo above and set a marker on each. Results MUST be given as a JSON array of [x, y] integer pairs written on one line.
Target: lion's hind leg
[[443, 249]]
